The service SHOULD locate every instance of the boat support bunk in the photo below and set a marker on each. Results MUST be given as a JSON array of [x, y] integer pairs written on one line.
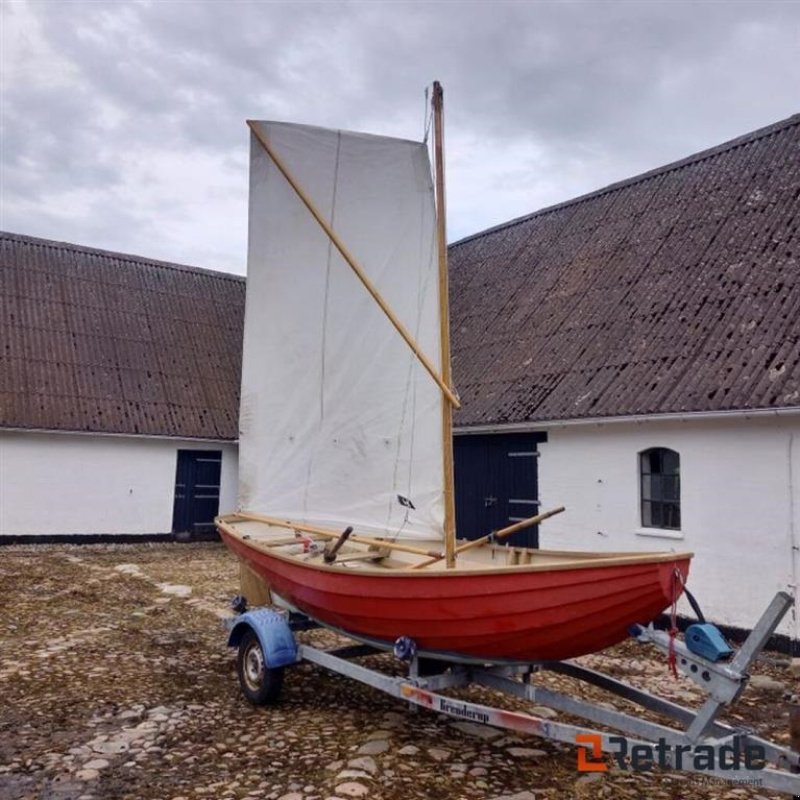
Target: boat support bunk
[[266, 642]]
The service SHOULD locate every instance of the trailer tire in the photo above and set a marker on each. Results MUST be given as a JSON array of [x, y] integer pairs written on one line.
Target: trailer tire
[[260, 684]]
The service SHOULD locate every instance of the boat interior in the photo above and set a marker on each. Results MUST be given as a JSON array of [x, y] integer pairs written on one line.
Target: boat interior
[[327, 548]]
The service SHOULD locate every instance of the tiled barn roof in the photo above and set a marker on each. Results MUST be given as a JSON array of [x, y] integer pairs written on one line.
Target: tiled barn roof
[[98, 341], [675, 291]]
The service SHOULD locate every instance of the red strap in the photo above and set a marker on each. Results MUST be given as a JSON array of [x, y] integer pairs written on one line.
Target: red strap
[[677, 588], [672, 658]]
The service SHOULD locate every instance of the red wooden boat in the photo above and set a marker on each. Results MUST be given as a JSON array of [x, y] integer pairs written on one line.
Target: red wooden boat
[[558, 606], [346, 420]]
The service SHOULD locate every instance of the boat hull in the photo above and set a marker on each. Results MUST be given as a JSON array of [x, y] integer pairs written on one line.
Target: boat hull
[[510, 615]]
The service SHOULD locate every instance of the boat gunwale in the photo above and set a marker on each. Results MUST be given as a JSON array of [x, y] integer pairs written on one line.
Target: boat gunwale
[[581, 559]]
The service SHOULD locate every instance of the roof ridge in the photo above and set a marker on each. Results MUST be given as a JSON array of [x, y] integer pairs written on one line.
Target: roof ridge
[[57, 245], [701, 155]]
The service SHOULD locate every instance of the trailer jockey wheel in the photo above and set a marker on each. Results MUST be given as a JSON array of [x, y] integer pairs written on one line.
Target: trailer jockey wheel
[[260, 684]]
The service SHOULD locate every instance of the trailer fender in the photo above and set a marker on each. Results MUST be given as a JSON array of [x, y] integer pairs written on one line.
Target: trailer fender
[[273, 632]]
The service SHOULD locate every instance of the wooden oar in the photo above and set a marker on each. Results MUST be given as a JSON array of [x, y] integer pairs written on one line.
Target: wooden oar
[[501, 534], [296, 526]]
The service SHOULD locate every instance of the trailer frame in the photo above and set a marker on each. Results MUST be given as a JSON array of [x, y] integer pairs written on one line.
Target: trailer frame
[[698, 736]]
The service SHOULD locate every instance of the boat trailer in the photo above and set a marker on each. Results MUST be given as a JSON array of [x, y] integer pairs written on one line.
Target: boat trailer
[[697, 743]]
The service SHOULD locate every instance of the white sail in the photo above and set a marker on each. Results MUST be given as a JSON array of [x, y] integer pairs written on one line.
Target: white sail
[[340, 423]]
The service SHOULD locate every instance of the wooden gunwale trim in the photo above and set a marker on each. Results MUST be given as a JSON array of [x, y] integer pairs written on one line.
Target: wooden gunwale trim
[[579, 559]]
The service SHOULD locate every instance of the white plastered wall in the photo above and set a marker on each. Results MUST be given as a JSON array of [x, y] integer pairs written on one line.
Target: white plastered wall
[[61, 483], [740, 503]]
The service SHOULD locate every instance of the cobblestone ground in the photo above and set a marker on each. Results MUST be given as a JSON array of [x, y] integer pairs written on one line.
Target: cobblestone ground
[[115, 682]]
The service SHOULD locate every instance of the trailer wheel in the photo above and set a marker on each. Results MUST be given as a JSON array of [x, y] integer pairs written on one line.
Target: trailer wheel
[[260, 684]]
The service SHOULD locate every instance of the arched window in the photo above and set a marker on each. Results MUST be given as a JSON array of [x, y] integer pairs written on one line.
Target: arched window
[[660, 481]]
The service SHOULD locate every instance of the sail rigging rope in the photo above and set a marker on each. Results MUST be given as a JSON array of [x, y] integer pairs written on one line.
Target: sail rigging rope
[[408, 415], [427, 116]]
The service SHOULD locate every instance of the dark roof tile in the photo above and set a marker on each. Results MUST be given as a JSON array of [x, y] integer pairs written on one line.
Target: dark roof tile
[[674, 291], [107, 342], [677, 290]]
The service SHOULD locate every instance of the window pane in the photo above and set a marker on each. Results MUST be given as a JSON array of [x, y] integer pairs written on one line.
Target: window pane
[[657, 515], [670, 487], [670, 462], [647, 516], [660, 488], [672, 516]]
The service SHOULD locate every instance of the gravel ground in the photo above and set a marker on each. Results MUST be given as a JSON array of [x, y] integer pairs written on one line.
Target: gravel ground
[[115, 682]]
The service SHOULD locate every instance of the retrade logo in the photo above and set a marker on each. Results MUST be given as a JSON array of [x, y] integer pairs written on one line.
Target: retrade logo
[[596, 764], [644, 757]]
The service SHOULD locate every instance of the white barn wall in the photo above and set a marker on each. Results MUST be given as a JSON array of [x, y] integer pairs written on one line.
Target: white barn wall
[[229, 478], [61, 483], [740, 503]]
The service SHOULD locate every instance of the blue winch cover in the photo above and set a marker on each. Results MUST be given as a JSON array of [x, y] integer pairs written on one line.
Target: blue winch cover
[[705, 640]]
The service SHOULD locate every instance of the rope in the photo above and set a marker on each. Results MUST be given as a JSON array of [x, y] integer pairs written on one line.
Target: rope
[[427, 116], [677, 588]]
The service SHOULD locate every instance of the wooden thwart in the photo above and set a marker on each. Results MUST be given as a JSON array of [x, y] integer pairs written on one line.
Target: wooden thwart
[[281, 542], [370, 555], [296, 526], [501, 534]]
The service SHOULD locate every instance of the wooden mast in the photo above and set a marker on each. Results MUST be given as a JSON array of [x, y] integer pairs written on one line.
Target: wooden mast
[[444, 328]]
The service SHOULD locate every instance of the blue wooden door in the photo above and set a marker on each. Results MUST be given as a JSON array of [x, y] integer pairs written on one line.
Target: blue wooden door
[[197, 480], [496, 484]]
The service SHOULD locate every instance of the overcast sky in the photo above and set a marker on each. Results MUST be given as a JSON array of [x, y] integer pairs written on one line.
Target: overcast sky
[[123, 123]]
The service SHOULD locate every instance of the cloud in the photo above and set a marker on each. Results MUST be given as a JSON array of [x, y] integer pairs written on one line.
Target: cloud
[[123, 122]]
